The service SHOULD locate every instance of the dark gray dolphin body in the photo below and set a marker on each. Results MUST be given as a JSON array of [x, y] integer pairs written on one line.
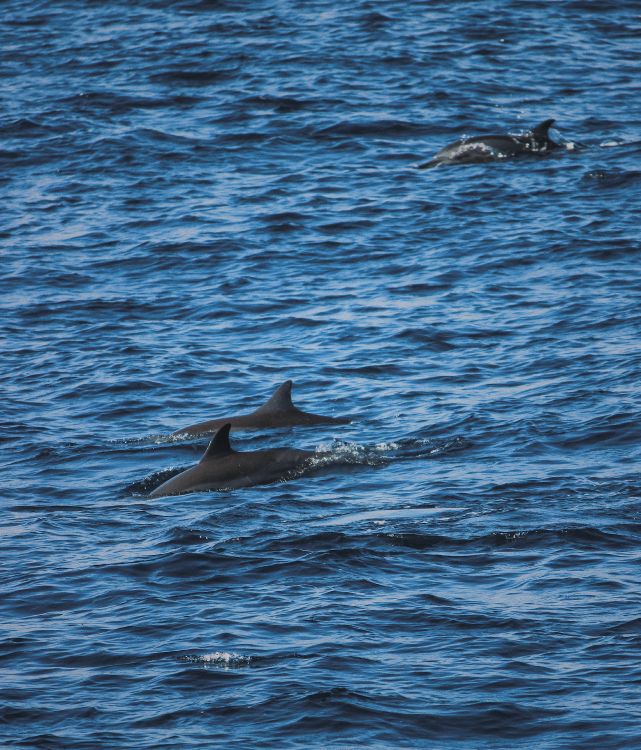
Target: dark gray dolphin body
[[224, 468], [278, 411], [484, 148]]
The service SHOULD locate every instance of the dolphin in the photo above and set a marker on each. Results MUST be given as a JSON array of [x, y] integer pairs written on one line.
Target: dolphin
[[484, 148], [222, 468], [278, 411]]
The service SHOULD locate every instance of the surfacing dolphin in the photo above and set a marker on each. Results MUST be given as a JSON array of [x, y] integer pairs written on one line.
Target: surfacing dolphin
[[223, 468], [482, 148], [278, 411]]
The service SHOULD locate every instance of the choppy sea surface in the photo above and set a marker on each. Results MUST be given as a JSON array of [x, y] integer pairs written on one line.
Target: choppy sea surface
[[201, 200]]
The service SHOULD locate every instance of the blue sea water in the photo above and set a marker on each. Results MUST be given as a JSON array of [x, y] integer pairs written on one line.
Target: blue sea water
[[204, 198]]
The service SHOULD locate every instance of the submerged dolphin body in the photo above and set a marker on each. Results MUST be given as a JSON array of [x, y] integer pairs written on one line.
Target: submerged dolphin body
[[484, 148], [224, 468], [278, 411]]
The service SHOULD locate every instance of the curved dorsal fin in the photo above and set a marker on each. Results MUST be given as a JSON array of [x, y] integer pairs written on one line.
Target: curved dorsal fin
[[219, 443], [280, 401], [540, 132]]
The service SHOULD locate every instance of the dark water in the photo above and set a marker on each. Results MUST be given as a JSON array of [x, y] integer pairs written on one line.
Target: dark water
[[203, 199]]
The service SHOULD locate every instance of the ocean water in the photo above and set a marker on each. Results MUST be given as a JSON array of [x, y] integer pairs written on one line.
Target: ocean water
[[203, 199]]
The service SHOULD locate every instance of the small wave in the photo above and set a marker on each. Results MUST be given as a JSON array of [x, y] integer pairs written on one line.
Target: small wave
[[341, 227], [388, 514], [374, 20], [615, 143], [376, 128], [578, 537], [195, 77], [184, 537], [280, 104], [435, 340], [116, 103], [609, 178], [628, 627], [23, 127]]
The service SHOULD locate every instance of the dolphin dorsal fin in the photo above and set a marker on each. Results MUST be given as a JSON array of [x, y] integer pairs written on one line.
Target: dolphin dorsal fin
[[219, 443], [540, 132], [280, 401]]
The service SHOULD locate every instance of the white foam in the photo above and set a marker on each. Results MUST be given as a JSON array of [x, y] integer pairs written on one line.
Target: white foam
[[221, 658], [473, 147], [381, 516], [386, 447], [342, 452]]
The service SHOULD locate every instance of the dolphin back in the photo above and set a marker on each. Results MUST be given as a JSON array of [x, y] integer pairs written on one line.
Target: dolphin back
[[540, 132], [277, 411]]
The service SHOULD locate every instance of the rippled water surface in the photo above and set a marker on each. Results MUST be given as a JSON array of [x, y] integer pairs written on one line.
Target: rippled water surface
[[201, 200]]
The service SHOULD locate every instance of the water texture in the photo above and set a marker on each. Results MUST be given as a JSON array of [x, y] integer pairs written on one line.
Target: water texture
[[202, 199]]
